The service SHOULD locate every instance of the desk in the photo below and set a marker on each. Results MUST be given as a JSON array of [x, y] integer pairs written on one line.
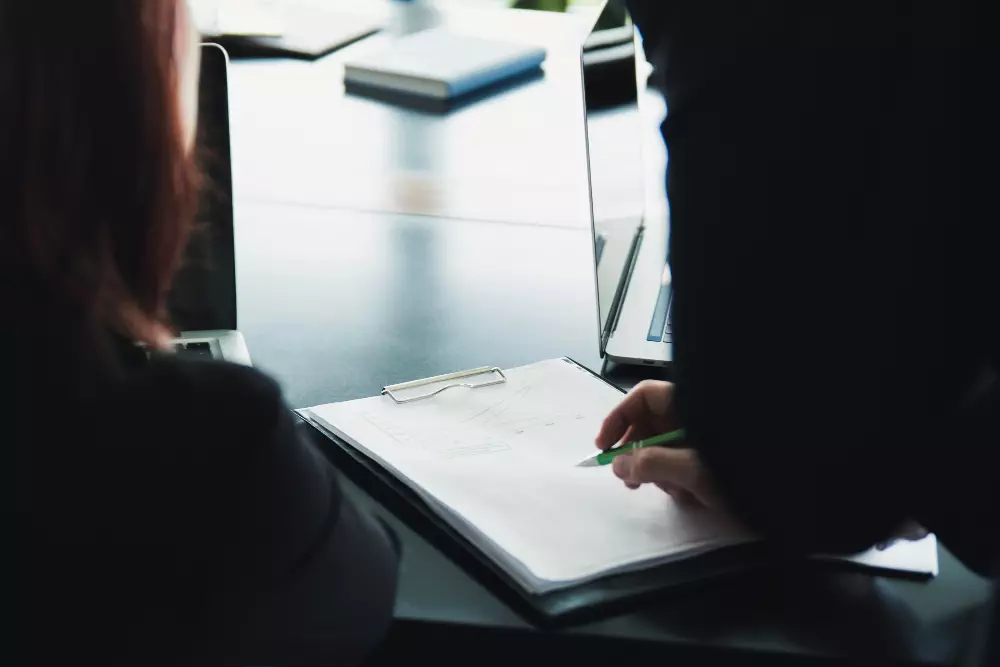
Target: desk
[[336, 303], [312, 144]]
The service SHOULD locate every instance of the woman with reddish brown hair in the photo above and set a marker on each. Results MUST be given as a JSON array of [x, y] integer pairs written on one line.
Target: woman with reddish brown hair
[[168, 509]]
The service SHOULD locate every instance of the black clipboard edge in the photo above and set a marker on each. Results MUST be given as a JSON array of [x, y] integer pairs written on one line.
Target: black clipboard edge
[[586, 602], [406, 505], [572, 606]]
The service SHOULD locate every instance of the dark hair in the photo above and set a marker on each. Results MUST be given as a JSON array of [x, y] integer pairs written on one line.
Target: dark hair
[[97, 187]]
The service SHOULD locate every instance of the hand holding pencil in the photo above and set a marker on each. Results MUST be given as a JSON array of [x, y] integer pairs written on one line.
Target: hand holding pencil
[[647, 414], [642, 441]]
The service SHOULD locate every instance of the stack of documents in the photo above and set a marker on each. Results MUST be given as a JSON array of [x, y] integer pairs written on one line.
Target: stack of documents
[[497, 463]]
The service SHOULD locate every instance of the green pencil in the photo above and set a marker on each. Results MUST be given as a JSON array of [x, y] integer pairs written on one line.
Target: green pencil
[[608, 455]]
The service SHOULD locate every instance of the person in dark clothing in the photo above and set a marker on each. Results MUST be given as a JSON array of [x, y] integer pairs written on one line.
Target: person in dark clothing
[[166, 511], [833, 248]]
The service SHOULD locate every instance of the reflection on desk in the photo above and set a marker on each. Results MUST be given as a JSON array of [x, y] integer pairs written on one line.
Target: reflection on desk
[[340, 304], [517, 157]]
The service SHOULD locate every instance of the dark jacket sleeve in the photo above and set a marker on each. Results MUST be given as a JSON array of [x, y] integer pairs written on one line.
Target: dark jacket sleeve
[[824, 332], [295, 572]]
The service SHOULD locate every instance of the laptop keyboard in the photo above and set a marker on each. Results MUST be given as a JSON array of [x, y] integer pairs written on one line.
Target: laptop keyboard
[[659, 327], [193, 350]]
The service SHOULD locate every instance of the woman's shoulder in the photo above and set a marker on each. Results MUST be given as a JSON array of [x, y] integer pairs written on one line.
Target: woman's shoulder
[[197, 379], [208, 395], [68, 363]]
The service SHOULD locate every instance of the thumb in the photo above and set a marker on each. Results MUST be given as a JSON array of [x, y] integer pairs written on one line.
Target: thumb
[[656, 465]]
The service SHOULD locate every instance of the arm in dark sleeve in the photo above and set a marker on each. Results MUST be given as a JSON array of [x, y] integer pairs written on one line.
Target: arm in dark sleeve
[[800, 206], [306, 577]]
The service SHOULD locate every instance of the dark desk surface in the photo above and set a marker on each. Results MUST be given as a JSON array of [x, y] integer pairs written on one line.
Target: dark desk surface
[[336, 303]]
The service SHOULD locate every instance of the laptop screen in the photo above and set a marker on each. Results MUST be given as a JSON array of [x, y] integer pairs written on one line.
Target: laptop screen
[[203, 296], [614, 152]]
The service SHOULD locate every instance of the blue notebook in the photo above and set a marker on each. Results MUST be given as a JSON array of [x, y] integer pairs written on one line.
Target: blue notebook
[[442, 65]]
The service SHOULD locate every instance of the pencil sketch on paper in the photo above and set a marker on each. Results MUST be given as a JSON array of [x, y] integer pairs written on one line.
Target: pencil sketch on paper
[[477, 427], [517, 414], [445, 443]]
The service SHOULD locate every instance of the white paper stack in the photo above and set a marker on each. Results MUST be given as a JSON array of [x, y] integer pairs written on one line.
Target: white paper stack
[[497, 463]]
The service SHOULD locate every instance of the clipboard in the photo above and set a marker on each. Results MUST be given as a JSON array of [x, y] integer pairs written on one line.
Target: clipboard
[[585, 602], [419, 390]]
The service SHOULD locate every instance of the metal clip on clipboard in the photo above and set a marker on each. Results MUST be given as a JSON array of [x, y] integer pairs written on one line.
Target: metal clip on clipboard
[[453, 379]]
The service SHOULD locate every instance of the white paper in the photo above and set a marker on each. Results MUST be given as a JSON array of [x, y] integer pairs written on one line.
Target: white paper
[[913, 556], [498, 464]]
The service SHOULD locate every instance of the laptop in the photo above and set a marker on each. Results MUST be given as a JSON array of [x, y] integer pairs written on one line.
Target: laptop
[[202, 301], [630, 249]]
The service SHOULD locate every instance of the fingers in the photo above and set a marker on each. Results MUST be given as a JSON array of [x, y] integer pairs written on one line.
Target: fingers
[[667, 468], [676, 471], [682, 496], [912, 530], [641, 411], [909, 531]]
